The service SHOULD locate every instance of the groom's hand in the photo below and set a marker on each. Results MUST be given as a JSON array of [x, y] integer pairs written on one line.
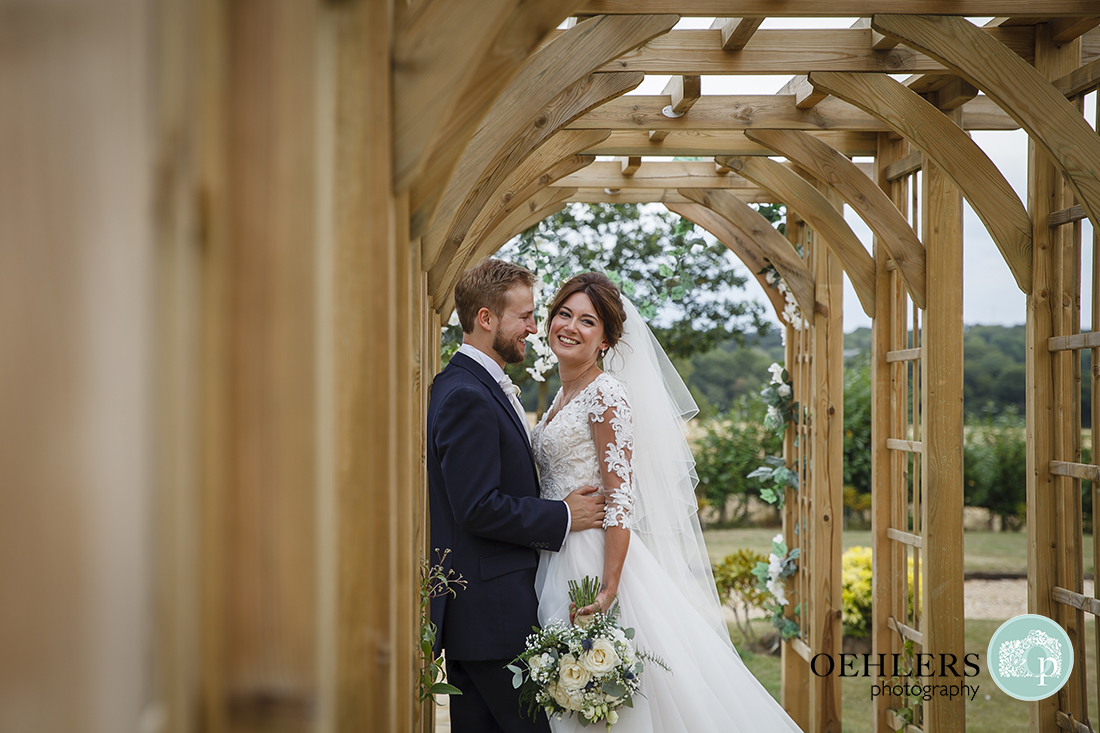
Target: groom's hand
[[586, 508]]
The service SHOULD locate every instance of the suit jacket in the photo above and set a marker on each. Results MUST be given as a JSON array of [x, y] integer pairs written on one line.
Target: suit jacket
[[484, 501]]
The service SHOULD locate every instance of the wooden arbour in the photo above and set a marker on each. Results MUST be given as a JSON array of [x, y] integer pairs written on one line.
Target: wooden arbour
[[222, 357]]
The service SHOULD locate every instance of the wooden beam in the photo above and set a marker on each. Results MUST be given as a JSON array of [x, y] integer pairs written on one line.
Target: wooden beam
[[654, 175], [805, 96], [708, 143], [630, 164], [736, 32], [544, 76], [796, 51], [764, 112], [839, 8], [1064, 30], [442, 242], [683, 91], [954, 94], [801, 196], [862, 195], [658, 196], [775, 248], [993, 199], [1050, 120], [735, 240], [1066, 216], [903, 167], [1080, 80]]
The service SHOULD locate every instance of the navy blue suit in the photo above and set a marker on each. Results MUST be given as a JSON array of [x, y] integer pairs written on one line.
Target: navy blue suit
[[484, 501]]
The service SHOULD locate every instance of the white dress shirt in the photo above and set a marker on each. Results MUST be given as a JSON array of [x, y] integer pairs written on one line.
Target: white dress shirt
[[497, 373]]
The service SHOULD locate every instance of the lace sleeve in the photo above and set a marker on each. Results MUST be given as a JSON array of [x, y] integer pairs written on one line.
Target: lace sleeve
[[613, 431]]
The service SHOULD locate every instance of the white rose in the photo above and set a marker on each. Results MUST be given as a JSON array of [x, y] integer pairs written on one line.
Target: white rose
[[612, 717], [537, 662], [601, 658], [784, 390], [571, 675], [560, 695], [777, 372]]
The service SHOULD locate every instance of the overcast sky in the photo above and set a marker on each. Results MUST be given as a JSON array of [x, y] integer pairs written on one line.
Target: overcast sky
[[990, 295]]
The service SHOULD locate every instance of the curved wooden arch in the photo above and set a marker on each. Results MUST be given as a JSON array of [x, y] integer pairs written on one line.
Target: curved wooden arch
[[966, 164], [546, 75], [801, 196], [544, 203], [773, 245], [1049, 118], [861, 193], [556, 158], [735, 240], [451, 59], [441, 243]]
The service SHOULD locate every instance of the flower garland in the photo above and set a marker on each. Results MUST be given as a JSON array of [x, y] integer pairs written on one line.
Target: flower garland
[[771, 577], [792, 314]]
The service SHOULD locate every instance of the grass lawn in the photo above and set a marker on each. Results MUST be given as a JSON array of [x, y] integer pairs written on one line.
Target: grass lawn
[[991, 552], [991, 711]]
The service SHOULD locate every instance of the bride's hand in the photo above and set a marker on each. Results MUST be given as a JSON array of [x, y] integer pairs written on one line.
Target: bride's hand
[[604, 600]]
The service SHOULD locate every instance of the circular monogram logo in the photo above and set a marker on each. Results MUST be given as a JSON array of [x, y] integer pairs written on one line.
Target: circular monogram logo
[[1030, 657]]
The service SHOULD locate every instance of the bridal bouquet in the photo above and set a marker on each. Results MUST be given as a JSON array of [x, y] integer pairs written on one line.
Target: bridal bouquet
[[590, 669]]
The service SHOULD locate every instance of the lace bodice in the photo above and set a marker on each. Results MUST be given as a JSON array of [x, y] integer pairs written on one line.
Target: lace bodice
[[590, 442]]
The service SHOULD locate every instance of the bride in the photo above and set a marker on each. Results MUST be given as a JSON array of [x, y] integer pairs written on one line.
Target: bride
[[622, 428]]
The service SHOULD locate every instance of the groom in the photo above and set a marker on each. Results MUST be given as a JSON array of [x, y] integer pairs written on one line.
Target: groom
[[484, 499]]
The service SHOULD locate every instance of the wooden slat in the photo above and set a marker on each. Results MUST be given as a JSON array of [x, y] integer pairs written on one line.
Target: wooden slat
[[900, 168], [904, 355], [801, 648], [912, 446], [764, 112], [861, 194], [654, 175], [660, 196], [1083, 471], [841, 8], [968, 167], [792, 51], [736, 32], [777, 249], [811, 205], [907, 632], [1085, 603], [630, 164], [708, 143], [1066, 216], [906, 538], [1050, 120], [1080, 80], [1064, 30], [1077, 341], [954, 94], [804, 93], [683, 92]]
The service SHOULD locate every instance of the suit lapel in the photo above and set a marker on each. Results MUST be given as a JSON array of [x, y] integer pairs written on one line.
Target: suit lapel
[[465, 362]]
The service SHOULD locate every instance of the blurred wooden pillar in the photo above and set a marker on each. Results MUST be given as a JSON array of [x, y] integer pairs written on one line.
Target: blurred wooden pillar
[[259, 550], [77, 446]]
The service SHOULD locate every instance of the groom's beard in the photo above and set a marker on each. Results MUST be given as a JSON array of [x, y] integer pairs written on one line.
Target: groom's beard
[[509, 350]]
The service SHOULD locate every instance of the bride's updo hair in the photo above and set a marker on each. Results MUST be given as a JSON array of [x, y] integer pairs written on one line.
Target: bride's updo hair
[[605, 297]]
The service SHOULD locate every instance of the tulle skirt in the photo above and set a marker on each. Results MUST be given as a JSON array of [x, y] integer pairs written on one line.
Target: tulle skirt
[[709, 687]]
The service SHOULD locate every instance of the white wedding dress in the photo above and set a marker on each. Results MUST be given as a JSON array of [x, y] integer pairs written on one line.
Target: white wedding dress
[[709, 688]]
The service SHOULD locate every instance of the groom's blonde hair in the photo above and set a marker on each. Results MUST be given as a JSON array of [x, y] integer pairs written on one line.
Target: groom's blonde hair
[[486, 286]]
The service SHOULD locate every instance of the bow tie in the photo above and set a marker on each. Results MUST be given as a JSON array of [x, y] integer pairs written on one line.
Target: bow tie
[[508, 386]]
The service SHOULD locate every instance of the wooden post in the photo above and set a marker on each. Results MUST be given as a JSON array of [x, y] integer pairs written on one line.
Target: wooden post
[[1048, 552], [78, 281], [942, 420], [888, 501], [827, 483]]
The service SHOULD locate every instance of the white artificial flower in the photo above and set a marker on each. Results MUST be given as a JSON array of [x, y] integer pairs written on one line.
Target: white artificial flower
[[777, 372], [778, 537], [612, 717], [770, 277], [453, 320], [784, 390], [773, 413]]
